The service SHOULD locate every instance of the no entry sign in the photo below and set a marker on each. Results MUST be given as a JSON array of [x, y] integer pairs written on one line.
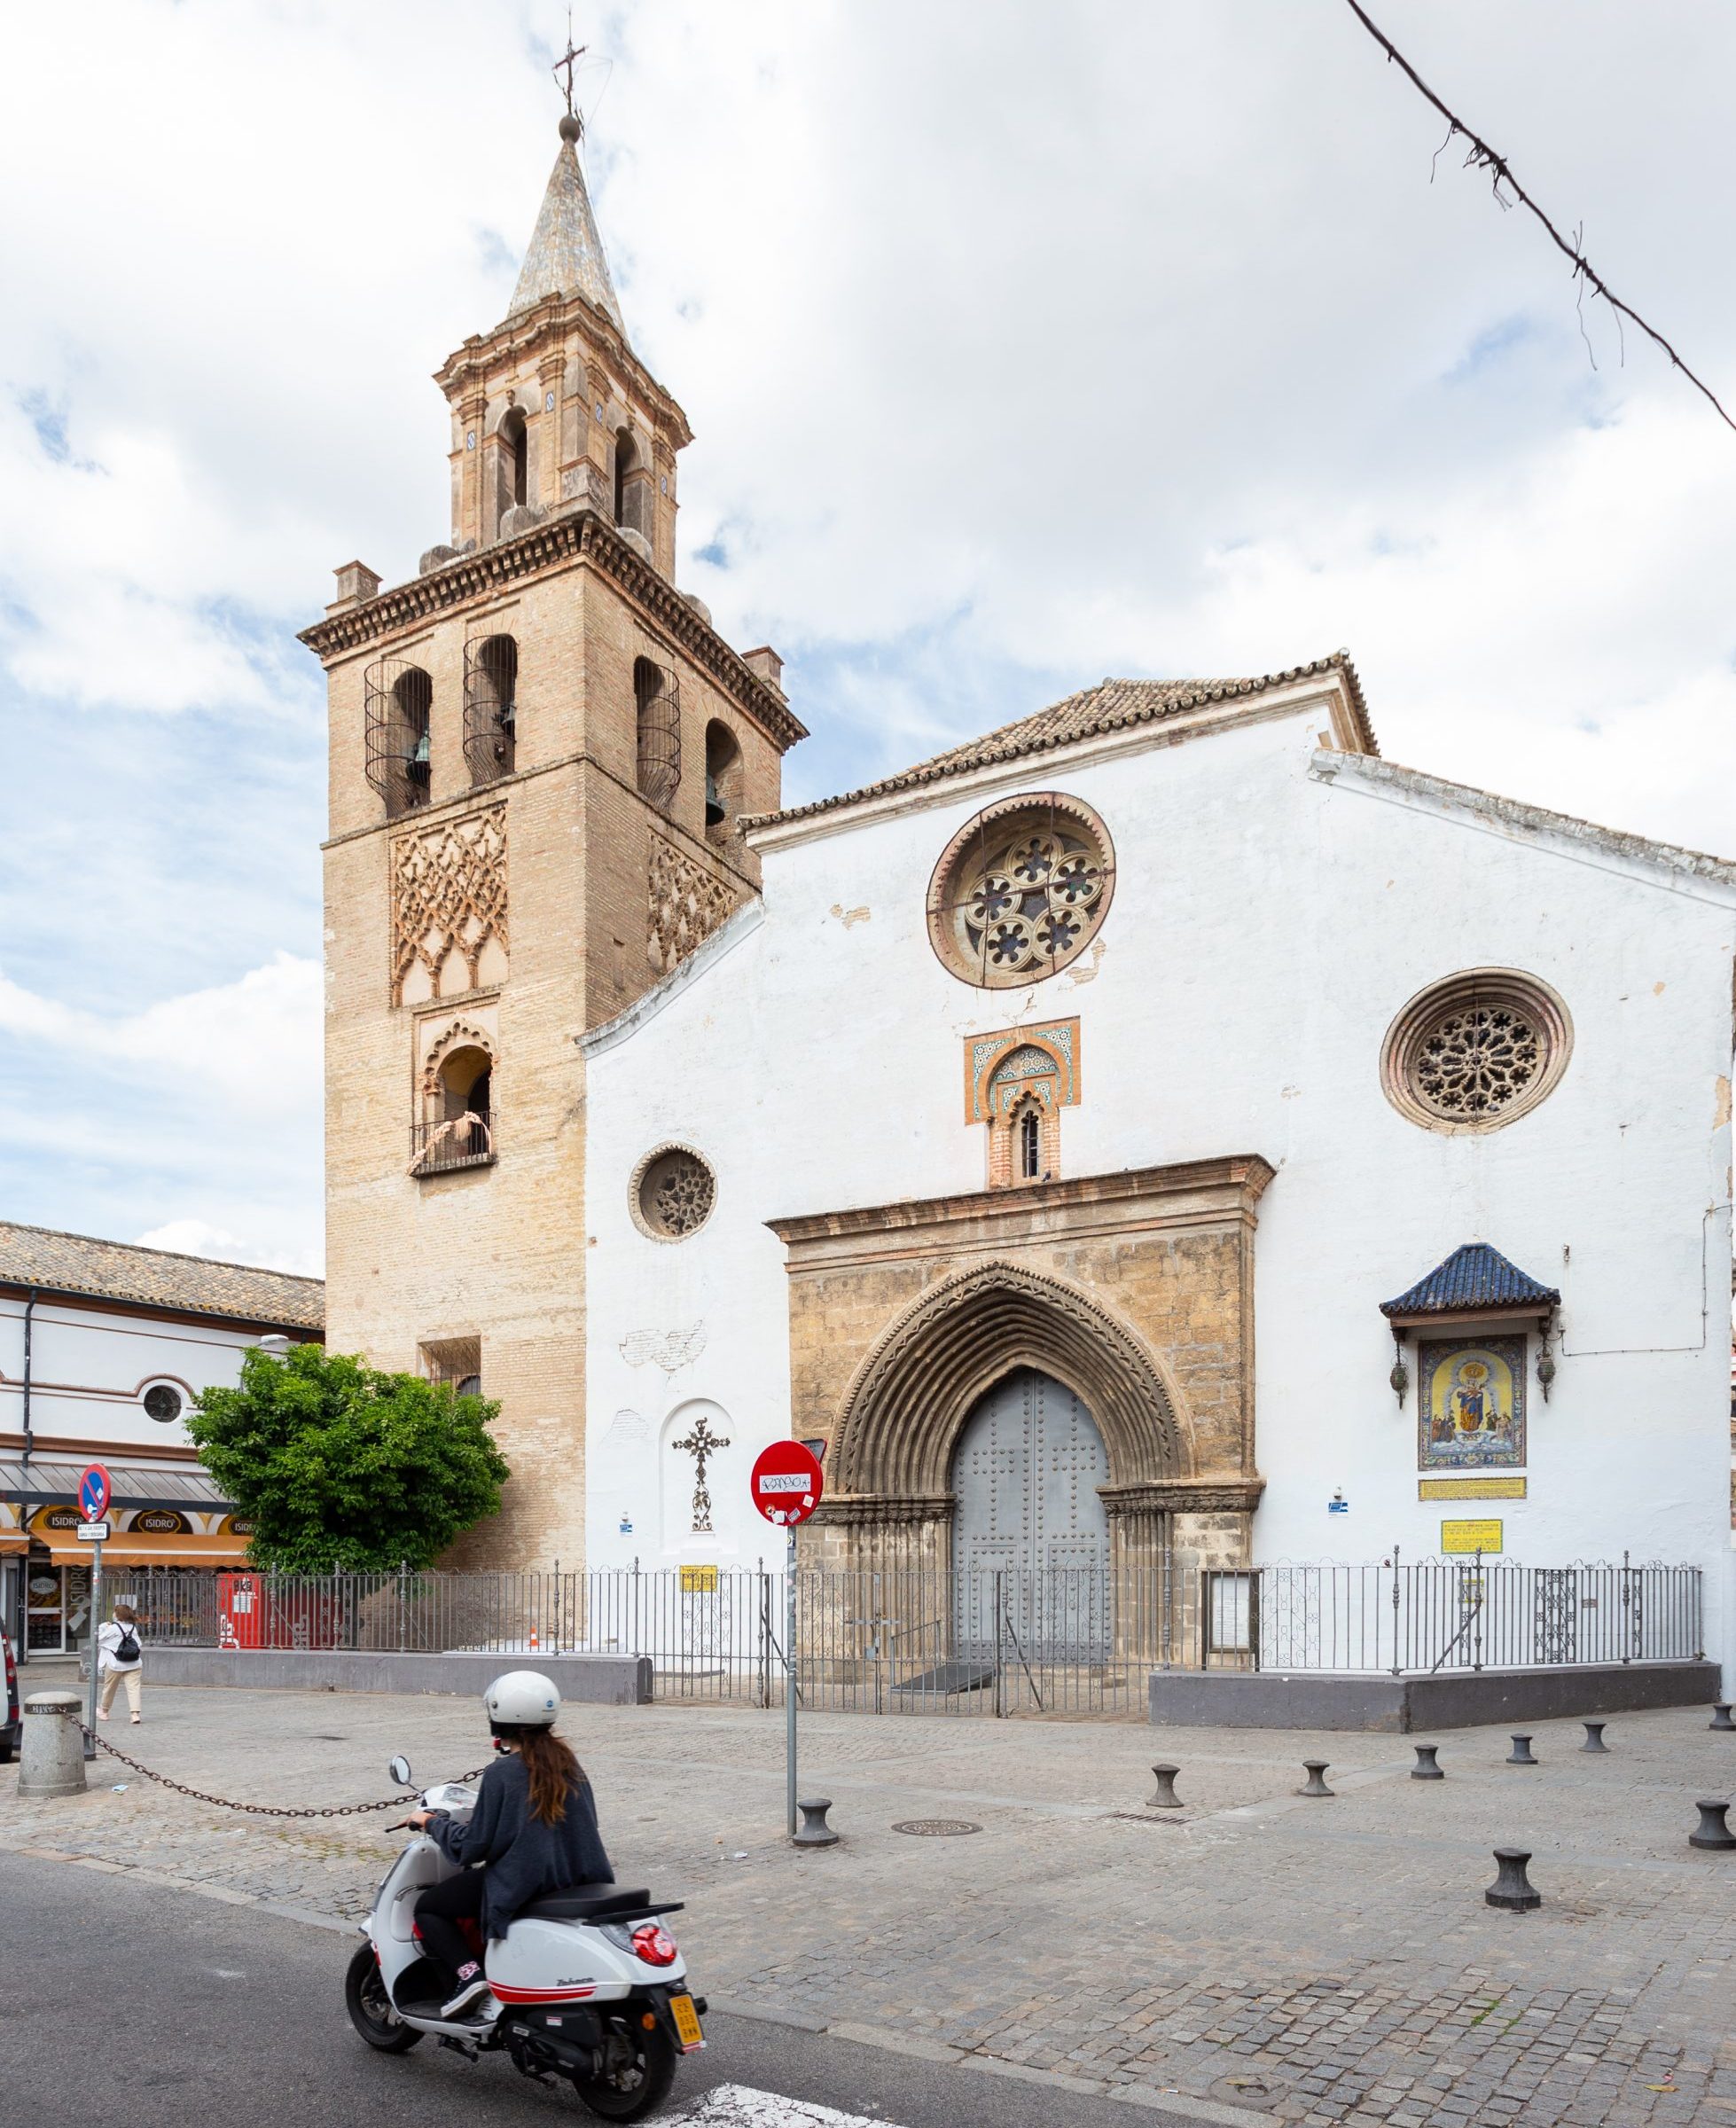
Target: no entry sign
[[787, 1483], [93, 1493]]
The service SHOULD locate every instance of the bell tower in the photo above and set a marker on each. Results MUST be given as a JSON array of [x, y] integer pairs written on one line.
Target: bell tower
[[540, 750]]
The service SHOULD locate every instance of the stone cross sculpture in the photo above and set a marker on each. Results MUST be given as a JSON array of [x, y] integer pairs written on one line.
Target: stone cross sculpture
[[701, 1444]]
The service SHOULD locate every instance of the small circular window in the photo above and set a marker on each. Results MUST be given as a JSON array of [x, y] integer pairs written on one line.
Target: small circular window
[[672, 1194], [1476, 1051], [163, 1403], [1021, 891]]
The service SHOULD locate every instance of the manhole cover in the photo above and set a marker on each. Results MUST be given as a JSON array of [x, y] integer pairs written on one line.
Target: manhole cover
[[937, 1828]]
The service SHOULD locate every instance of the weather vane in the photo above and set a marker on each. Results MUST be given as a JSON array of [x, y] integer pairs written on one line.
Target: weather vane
[[568, 59]]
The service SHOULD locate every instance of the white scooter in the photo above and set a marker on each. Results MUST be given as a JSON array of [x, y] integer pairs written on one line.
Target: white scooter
[[587, 1984]]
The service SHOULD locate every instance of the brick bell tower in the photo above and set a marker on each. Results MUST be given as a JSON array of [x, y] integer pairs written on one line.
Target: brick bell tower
[[539, 751]]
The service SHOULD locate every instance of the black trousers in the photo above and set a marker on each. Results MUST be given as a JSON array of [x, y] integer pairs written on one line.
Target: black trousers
[[438, 1912]]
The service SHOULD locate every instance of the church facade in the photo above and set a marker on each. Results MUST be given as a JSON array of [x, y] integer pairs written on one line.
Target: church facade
[[1161, 1130]]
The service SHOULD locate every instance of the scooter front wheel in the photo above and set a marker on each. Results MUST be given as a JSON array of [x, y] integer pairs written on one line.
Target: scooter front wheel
[[639, 2071], [369, 2007]]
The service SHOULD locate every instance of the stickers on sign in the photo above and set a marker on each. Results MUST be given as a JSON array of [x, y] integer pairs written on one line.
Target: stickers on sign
[[93, 1489], [787, 1485]]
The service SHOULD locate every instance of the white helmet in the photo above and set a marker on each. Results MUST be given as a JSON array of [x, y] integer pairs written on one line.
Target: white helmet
[[523, 1699]]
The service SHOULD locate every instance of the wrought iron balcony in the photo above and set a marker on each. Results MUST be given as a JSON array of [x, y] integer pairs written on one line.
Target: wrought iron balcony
[[459, 1141]]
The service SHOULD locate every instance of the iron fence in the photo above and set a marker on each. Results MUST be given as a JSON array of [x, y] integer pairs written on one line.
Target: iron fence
[[1074, 1641], [1421, 1616]]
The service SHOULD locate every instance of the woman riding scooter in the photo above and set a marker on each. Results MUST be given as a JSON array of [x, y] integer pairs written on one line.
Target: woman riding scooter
[[534, 1830]]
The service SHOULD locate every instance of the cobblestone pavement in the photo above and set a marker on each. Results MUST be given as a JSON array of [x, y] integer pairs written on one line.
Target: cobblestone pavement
[[1319, 1961]]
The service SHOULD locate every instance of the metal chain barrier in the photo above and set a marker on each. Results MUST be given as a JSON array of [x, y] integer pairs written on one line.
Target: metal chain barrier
[[253, 1810]]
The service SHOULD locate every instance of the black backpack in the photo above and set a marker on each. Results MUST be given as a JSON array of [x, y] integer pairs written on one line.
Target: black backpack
[[127, 1647]]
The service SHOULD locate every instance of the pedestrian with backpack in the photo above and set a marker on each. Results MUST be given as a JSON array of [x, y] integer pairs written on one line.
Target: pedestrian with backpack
[[119, 1658]]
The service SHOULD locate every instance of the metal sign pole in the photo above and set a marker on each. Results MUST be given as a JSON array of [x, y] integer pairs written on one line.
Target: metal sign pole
[[789, 1684], [95, 1616]]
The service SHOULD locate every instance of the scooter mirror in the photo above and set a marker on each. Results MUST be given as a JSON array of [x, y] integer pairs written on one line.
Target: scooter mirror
[[399, 1770]]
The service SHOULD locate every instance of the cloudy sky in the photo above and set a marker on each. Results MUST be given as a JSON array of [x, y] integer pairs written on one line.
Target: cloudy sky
[[1024, 343]]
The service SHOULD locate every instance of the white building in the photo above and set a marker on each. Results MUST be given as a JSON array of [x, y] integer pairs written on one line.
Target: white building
[[1047, 1136], [103, 1349]]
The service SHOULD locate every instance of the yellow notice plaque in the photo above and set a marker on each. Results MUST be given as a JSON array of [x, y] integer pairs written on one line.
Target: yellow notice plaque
[[702, 1581], [1470, 1536], [1470, 1489]]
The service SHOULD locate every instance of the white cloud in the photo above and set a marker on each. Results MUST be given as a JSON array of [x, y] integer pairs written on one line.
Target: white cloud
[[199, 1237], [1023, 345], [255, 1044]]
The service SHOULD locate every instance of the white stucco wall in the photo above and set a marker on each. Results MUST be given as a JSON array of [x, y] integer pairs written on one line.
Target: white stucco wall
[[1274, 909], [90, 1369]]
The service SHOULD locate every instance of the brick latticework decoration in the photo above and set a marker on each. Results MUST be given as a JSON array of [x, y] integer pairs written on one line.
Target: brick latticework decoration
[[449, 896], [687, 904]]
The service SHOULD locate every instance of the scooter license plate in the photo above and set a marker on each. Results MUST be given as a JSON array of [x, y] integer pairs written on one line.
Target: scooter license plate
[[686, 2021]]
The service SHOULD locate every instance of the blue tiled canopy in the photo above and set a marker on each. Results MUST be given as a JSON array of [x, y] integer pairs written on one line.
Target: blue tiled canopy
[[1474, 1279]]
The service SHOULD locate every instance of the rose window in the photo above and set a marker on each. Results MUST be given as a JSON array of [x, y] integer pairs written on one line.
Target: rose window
[[672, 1194], [1476, 1051], [1021, 891]]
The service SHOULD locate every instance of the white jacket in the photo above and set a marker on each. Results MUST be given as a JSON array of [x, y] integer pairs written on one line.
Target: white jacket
[[108, 1639]]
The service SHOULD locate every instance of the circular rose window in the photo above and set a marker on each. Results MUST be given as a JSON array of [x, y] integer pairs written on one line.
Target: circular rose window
[[672, 1194], [1021, 891], [1476, 1051]]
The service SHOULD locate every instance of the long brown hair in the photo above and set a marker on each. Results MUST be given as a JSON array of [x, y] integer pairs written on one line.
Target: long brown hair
[[553, 1771]]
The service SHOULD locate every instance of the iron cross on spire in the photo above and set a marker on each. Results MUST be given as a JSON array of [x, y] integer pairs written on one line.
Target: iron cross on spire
[[568, 59], [701, 1444]]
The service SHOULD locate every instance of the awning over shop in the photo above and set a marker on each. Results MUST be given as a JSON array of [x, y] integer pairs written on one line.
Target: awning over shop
[[126, 1550], [40, 1484]]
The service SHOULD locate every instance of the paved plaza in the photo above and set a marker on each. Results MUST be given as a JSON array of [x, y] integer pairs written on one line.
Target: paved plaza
[[1255, 1954]]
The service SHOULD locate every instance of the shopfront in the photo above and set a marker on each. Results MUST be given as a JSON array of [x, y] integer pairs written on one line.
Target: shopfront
[[153, 1543]]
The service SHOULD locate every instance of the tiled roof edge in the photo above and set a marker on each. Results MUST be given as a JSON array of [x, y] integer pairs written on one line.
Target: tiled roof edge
[[1014, 748]]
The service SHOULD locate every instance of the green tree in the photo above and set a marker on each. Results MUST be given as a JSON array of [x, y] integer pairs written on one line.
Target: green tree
[[337, 1464]]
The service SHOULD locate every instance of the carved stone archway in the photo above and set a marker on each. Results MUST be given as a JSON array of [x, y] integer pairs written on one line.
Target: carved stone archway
[[1134, 1290], [911, 1397]]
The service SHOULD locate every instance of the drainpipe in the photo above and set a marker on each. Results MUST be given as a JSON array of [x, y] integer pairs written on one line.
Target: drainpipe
[[21, 1636]]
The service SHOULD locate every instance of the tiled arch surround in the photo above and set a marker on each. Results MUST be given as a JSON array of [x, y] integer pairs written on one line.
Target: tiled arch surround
[[1136, 1289]]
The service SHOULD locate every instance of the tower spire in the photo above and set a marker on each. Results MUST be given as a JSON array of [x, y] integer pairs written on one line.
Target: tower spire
[[566, 253]]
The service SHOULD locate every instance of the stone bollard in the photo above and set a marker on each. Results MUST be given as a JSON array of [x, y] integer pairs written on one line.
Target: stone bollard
[[1712, 1831], [1166, 1797], [1594, 1739], [815, 1831], [1426, 1768], [1520, 1754], [52, 1762], [1721, 1716], [1512, 1890], [1315, 1770]]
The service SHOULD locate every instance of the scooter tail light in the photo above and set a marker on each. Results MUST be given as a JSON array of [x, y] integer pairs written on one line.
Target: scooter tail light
[[654, 1945]]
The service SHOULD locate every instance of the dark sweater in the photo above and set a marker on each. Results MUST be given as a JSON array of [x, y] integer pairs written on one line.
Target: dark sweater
[[523, 1856]]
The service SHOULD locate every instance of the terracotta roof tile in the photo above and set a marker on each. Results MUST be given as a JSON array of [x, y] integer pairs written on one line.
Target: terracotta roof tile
[[157, 1278], [1110, 705]]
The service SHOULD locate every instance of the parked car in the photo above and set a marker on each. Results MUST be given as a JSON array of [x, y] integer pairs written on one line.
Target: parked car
[[10, 1710]]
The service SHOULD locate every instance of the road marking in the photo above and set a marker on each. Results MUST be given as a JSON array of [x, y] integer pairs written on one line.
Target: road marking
[[740, 2106]]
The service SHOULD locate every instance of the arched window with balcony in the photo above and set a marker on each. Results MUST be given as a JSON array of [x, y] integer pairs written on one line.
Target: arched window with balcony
[[490, 707], [460, 1124], [722, 781], [398, 705], [657, 701]]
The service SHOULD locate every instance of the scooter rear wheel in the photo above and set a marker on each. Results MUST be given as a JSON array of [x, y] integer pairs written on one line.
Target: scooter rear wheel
[[639, 2083], [369, 2007]]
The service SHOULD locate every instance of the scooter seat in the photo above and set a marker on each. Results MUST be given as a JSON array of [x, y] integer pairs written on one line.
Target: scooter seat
[[583, 1903]]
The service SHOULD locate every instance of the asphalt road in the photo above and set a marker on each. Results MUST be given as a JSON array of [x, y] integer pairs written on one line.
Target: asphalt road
[[129, 2005]]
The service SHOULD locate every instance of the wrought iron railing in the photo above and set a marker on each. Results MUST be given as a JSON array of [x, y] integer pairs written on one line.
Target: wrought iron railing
[[1068, 1640], [1419, 1617], [455, 1141]]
